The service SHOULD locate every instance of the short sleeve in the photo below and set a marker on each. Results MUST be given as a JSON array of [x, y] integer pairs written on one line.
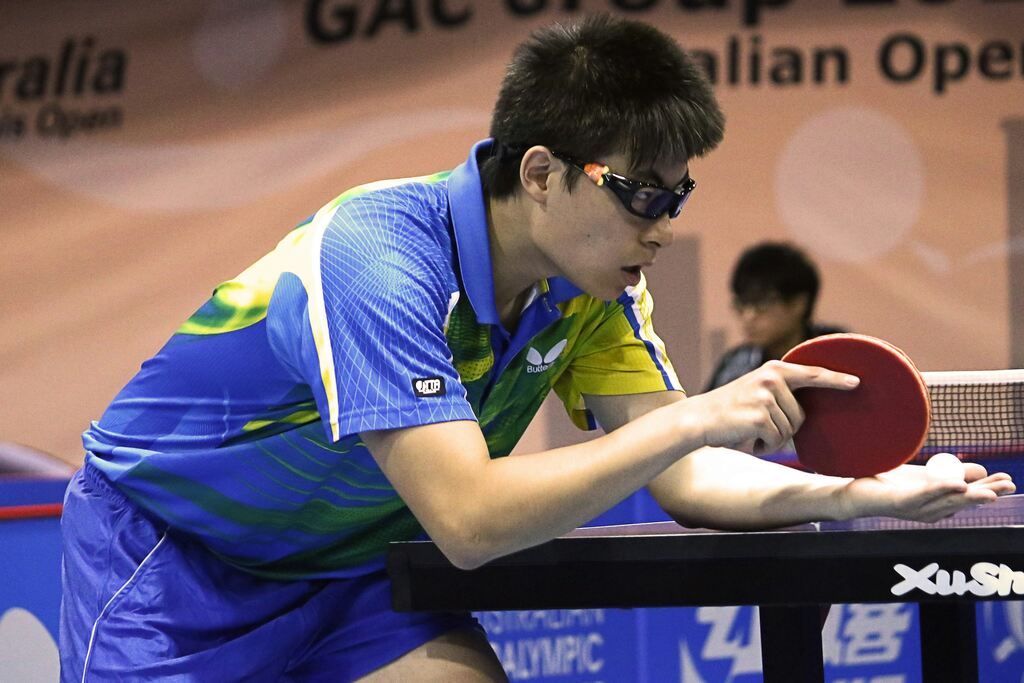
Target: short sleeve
[[377, 296], [621, 355]]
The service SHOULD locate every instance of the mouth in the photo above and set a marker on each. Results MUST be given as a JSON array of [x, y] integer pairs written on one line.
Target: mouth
[[632, 275]]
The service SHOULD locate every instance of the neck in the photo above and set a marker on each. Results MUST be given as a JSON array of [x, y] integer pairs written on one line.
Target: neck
[[515, 260]]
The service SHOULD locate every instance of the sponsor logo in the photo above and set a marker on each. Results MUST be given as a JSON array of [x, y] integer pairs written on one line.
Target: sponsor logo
[[425, 387], [537, 363], [63, 105], [985, 579], [59, 87]]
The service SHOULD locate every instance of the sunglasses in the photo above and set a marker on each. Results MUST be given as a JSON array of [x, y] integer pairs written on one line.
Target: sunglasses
[[640, 198], [759, 305]]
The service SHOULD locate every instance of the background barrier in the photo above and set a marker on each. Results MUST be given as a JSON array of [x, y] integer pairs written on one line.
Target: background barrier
[[150, 151]]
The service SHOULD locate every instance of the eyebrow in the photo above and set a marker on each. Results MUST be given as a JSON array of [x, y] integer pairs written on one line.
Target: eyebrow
[[656, 177], [649, 174], [653, 175]]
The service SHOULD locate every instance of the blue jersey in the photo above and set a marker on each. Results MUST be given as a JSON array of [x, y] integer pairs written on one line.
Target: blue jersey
[[375, 313]]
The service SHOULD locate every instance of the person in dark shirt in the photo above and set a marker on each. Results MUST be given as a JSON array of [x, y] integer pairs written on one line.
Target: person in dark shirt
[[774, 288]]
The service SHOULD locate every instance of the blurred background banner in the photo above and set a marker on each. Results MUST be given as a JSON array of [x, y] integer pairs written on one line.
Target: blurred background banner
[[149, 151]]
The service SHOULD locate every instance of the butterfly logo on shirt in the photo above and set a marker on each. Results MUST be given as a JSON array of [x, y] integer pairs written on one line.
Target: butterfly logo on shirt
[[537, 363]]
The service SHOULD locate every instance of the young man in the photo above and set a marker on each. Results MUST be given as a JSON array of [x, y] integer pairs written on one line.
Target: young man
[[359, 384], [774, 289]]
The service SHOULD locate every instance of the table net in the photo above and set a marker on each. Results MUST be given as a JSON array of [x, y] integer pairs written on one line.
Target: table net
[[976, 413]]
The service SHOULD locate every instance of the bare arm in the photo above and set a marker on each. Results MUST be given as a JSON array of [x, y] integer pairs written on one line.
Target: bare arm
[[726, 489], [476, 508]]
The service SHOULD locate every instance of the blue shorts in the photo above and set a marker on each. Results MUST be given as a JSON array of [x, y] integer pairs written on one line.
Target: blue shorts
[[142, 603]]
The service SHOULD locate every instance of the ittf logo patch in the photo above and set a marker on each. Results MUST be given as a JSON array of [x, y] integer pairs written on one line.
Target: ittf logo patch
[[428, 386]]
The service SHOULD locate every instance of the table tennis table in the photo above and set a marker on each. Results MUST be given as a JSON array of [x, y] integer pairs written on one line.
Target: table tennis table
[[788, 573]]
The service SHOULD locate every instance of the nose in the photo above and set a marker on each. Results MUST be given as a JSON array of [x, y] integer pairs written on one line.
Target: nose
[[748, 320], [659, 233], [746, 314]]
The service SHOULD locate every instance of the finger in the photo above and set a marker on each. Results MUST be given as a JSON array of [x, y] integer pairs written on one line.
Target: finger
[[769, 439], [792, 410], [976, 472], [980, 496], [775, 397], [995, 476], [771, 425], [1001, 486], [783, 426], [750, 447], [974, 495], [774, 381], [800, 376], [940, 501], [952, 503], [973, 471], [999, 478]]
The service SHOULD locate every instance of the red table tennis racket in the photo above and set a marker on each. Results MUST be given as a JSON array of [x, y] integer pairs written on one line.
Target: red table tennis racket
[[871, 429]]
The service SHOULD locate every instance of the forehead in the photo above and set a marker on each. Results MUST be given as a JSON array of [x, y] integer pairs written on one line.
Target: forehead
[[668, 172]]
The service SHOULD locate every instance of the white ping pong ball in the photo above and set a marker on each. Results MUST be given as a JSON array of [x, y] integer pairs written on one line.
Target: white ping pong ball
[[945, 467]]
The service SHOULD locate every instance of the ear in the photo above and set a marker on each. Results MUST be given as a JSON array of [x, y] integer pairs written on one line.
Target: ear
[[537, 171]]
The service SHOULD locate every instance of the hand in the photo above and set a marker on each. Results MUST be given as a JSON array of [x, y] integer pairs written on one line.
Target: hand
[[909, 492], [758, 413]]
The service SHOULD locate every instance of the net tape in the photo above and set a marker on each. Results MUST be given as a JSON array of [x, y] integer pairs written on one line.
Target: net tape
[[976, 412]]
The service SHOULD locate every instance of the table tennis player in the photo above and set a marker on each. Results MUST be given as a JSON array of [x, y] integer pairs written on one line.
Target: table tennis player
[[774, 289], [361, 383]]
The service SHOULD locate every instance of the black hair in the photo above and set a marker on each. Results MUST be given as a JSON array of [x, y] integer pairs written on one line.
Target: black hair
[[775, 269], [595, 87]]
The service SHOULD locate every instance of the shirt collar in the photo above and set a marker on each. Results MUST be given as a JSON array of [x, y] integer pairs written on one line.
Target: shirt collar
[[561, 290], [473, 246]]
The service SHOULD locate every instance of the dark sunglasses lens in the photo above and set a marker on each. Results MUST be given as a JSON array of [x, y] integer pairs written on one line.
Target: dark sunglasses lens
[[681, 202], [655, 202]]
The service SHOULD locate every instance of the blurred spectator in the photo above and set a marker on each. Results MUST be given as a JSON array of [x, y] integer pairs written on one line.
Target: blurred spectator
[[774, 288]]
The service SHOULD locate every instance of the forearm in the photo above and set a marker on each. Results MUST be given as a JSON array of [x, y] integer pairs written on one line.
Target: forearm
[[529, 499], [725, 489], [477, 509]]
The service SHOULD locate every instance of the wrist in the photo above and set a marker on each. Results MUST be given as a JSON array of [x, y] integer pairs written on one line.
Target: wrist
[[690, 429], [847, 505]]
